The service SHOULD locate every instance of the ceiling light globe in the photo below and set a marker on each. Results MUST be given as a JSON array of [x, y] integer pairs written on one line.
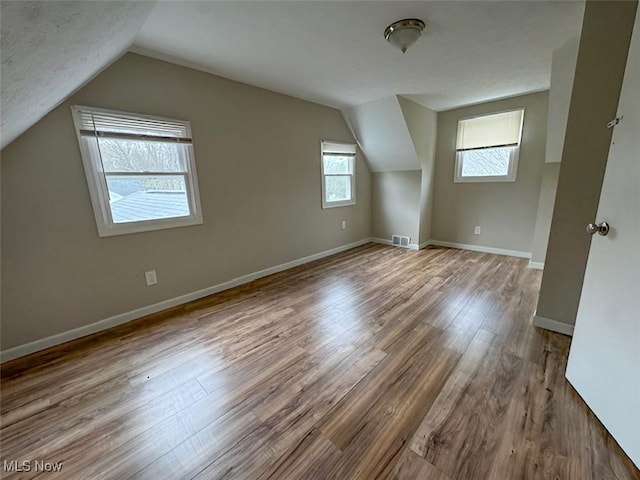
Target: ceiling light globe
[[404, 33]]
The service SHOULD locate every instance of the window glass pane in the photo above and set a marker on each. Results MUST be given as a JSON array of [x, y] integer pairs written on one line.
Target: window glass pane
[[337, 165], [146, 197], [122, 155], [337, 189], [487, 162]]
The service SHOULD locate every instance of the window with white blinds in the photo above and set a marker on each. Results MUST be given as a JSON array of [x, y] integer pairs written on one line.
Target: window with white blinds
[[487, 147], [140, 170], [338, 174]]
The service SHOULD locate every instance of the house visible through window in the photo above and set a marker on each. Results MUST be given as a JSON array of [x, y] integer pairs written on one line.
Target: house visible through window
[[487, 147], [140, 170], [338, 174]]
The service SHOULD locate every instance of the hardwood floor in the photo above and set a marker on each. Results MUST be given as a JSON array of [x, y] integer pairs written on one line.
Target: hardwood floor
[[378, 362]]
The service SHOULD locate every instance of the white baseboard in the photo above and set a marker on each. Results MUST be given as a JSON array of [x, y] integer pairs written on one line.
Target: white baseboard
[[37, 345], [553, 325], [480, 248], [462, 246], [536, 265], [384, 241]]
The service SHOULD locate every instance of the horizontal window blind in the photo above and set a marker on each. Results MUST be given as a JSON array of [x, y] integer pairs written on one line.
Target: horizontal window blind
[[133, 127], [338, 149], [490, 131]]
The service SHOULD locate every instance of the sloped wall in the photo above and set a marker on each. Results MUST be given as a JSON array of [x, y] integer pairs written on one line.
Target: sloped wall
[[382, 134]]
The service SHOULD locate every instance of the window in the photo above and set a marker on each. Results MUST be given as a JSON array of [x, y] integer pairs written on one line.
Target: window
[[140, 170], [487, 147], [338, 174]]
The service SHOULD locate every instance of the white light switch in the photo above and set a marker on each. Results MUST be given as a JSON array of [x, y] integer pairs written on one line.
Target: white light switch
[[477, 230]]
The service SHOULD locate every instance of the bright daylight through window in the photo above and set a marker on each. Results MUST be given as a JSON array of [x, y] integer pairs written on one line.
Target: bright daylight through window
[[338, 174], [487, 147], [140, 170]]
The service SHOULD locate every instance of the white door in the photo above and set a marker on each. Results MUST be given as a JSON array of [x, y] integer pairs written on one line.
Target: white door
[[604, 361]]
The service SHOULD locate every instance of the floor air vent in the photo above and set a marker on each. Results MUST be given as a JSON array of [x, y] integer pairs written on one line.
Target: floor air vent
[[400, 240]]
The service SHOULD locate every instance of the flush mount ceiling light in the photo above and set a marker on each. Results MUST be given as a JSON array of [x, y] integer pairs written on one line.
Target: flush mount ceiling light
[[404, 33]]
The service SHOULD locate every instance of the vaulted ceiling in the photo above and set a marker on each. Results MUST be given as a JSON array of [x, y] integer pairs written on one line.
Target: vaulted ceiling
[[330, 52], [49, 49], [334, 52]]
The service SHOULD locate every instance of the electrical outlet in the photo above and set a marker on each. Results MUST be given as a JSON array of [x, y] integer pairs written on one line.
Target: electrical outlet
[[151, 277], [344, 224], [477, 230]]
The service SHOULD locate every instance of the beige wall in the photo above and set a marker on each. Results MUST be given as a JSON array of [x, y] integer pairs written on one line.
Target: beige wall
[[396, 204], [546, 201], [604, 43], [506, 211], [563, 67], [422, 124], [257, 155]]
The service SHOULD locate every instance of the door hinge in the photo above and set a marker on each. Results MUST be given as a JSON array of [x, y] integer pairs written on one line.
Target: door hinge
[[615, 122]]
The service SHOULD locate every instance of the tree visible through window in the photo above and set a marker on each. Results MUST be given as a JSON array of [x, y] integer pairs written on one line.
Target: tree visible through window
[[138, 183], [487, 147], [140, 169], [338, 174], [487, 162]]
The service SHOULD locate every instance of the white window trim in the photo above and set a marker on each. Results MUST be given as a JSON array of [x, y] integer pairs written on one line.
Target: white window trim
[[99, 193], [342, 203], [512, 174], [509, 177]]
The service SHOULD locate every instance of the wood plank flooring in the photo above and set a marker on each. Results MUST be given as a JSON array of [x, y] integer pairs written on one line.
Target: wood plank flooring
[[375, 363]]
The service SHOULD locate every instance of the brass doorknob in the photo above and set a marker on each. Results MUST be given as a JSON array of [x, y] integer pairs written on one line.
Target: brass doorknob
[[602, 228]]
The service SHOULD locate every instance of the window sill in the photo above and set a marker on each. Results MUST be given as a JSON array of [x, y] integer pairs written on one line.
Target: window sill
[[147, 226], [338, 204], [483, 179]]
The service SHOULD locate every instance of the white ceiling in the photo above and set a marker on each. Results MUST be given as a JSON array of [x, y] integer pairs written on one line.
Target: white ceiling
[[334, 53], [328, 52], [51, 48]]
